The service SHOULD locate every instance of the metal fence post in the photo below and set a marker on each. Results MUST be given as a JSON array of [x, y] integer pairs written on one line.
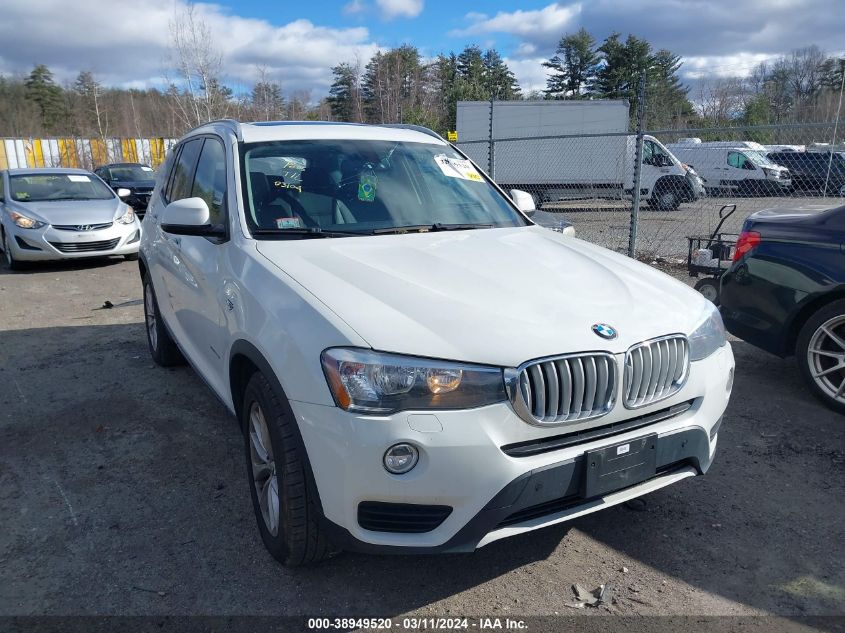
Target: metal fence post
[[638, 168], [491, 163]]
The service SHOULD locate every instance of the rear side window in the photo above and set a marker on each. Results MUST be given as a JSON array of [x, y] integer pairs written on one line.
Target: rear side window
[[210, 179], [183, 173]]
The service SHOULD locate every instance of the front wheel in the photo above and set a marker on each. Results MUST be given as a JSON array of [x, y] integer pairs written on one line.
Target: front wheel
[[665, 198], [820, 353], [286, 507], [709, 287], [11, 262]]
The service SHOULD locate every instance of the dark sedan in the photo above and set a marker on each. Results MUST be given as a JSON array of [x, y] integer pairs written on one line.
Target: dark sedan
[[785, 292], [138, 178]]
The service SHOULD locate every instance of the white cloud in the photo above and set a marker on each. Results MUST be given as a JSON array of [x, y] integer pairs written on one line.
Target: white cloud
[[105, 37], [734, 65], [400, 8], [525, 49], [551, 20], [530, 73], [353, 7]]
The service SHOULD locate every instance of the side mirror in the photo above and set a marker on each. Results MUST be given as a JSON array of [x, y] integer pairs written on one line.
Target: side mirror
[[122, 192], [189, 216], [524, 201]]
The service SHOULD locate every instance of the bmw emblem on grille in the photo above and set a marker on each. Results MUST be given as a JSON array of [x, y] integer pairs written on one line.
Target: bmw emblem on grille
[[604, 331]]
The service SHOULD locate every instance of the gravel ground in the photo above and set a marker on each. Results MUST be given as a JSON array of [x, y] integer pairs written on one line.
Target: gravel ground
[[123, 491]]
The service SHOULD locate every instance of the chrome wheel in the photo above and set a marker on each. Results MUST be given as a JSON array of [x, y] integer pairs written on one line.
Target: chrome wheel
[[826, 358], [150, 315], [263, 468]]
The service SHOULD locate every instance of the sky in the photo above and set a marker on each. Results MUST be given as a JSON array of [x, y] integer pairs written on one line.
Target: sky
[[127, 43]]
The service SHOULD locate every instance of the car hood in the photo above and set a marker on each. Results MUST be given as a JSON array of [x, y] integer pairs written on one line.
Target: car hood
[[70, 211], [494, 296], [134, 184]]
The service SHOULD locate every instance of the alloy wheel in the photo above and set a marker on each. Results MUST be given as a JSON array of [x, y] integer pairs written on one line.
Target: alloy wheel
[[263, 468], [150, 316], [826, 357]]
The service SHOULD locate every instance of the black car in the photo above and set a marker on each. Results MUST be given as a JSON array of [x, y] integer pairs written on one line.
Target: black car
[[785, 292], [138, 178], [817, 172]]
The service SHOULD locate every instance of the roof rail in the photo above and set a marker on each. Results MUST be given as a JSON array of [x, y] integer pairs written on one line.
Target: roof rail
[[232, 124], [415, 128]]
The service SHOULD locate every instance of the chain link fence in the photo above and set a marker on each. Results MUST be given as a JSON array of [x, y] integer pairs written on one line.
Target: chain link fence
[[685, 177]]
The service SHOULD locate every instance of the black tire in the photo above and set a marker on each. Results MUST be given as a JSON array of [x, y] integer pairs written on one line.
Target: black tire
[[163, 349], [131, 257], [8, 257], [811, 334], [665, 198], [297, 538], [709, 287]]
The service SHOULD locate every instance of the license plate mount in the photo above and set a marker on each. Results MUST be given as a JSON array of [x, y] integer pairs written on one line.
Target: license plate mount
[[619, 466]]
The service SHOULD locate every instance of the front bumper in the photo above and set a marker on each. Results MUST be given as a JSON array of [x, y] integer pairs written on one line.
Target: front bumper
[[494, 494], [49, 243]]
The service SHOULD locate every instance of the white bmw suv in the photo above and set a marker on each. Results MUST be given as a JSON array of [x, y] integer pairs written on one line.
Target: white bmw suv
[[416, 366]]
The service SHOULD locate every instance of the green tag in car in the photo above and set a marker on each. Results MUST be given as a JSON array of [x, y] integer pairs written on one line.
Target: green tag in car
[[367, 186]]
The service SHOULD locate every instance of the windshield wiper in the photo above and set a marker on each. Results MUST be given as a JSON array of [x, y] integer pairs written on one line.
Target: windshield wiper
[[424, 228], [306, 232]]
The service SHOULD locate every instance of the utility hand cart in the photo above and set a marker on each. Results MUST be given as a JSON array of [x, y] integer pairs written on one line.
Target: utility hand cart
[[711, 256]]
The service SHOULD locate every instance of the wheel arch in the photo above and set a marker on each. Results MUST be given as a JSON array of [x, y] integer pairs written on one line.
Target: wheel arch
[[675, 183], [142, 266], [805, 312], [244, 360]]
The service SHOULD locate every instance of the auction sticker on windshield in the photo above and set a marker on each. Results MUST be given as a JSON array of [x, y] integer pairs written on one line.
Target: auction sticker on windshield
[[457, 168], [76, 178]]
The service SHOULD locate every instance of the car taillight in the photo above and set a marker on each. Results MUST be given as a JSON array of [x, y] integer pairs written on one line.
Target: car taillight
[[747, 240]]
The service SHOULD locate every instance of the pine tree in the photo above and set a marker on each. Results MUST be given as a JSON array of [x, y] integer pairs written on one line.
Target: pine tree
[[499, 80], [573, 67], [345, 93], [43, 91], [90, 93]]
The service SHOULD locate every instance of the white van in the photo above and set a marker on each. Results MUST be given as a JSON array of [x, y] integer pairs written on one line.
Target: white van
[[734, 169]]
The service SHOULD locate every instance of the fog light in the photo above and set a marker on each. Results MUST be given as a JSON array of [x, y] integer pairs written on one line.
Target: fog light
[[400, 458], [730, 383]]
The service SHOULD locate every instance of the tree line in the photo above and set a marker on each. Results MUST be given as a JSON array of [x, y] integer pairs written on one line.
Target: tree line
[[400, 85]]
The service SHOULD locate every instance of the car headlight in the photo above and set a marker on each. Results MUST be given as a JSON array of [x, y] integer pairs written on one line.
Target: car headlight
[[709, 335], [24, 222], [127, 217], [373, 382]]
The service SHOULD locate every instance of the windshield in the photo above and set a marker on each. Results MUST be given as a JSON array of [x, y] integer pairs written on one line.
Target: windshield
[[132, 172], [759, 158], [43, 187], [362, 187]]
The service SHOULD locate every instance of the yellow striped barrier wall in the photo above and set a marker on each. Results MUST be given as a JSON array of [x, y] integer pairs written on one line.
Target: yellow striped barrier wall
[[84, 153]]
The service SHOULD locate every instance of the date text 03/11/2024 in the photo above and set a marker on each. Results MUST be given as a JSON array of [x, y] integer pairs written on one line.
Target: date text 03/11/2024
[[418, 624]]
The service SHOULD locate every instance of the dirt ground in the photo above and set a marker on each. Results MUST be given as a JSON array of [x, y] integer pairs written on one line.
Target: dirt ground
[[123, 491]]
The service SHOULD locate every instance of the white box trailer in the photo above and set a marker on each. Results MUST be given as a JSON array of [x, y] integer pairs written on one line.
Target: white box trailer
[[565, 149]]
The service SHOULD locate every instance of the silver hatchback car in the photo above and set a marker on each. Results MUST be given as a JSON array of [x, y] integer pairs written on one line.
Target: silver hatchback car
[[51, 214]]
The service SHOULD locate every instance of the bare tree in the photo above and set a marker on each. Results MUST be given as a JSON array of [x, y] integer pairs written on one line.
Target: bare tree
[[197, 64]]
